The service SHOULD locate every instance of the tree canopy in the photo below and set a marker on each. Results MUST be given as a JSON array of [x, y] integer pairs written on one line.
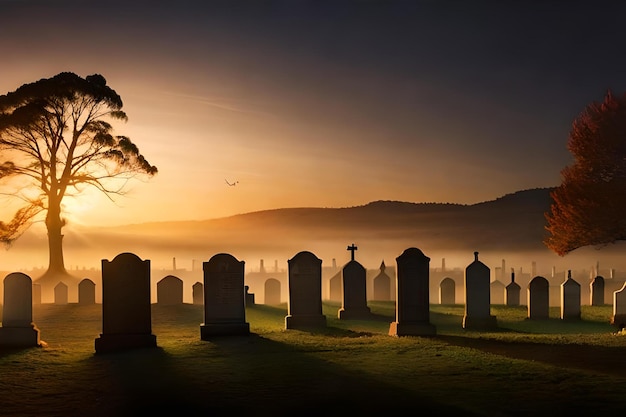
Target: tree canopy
[[56, 138], [589, 206]]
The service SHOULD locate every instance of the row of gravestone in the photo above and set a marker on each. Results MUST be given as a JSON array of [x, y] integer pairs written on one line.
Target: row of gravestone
[[86, 292], [169, 292], [510, 294], [126, 312]]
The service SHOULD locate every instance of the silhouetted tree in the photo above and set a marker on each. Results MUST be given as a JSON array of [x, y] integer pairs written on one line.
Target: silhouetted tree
[[56, 140], [589, 207]]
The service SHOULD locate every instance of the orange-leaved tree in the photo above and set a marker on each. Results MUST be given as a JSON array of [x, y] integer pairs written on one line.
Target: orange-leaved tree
[[56, 139], [589, 206]]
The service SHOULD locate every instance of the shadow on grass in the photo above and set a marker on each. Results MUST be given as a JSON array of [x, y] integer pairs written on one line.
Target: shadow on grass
[[279, 379], [251, 374], [598, 359], [6, 351]]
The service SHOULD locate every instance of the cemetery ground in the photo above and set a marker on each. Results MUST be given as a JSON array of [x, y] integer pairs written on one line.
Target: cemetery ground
[[352, 367]]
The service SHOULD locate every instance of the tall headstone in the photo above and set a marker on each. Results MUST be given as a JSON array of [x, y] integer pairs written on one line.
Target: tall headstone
[[197, 293], [412, 295], [60, 293], [18, 329], [334, 287], [619, 308], [447, 291], [596, 291], [513, 291], [126, 309], [570, 298], [382, 285], [477, 297], [272, 292], [354, 305], [170, 291], [497, 292], [305, 292], [86, 292], [224, 298], [538, 298]]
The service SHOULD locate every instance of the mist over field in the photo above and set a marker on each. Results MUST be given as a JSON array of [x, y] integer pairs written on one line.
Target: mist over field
[[510, 229]]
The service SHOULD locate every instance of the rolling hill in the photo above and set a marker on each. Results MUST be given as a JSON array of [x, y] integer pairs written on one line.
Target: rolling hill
[[511, 227], [381, 229]]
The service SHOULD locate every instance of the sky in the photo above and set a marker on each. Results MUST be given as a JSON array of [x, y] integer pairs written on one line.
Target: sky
[[325, 103]]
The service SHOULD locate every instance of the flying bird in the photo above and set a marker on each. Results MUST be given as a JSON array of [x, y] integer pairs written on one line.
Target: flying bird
[[231, 184]]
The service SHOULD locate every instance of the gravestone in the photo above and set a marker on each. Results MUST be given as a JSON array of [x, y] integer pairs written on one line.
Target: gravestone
[[86, 292], [224, 298], [570, 298], [354, 305], [126, 309], [18, 329], [197, 293], [334, 287], [305, 292], [538, 298], [170, 291], [382, 285], [497, 292], [596, 291], [513, 291], [412, 295], [248, 297], [272, 291], [447, 291], [36, 294], [477, 297], [60, 293], [619, 308]]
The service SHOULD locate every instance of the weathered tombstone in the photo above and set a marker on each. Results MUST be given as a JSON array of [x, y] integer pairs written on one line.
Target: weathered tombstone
[[170, 291], [36, 294], [126, 309], [619, 308], [272, 291], [477, 297], [248, 297], [18, 329], [354, 305], [447, 291], [197, 291], [382, 285], [570, 298], [412, 295], [538, 298], [60, 293], [305, 292], [513, 291], [497, 291], [224, 297], [334, 287], [86, 292], [596, 291]]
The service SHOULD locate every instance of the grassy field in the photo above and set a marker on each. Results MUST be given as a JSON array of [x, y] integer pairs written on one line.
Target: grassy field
[[538, 368]]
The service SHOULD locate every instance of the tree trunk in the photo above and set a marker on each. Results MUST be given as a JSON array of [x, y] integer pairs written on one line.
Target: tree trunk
[[56, 265]]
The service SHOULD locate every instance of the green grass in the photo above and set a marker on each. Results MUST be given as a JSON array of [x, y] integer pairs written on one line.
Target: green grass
[[547, 367]]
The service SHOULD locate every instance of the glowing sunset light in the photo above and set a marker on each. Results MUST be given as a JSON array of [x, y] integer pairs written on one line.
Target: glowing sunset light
[[309, 113], [305, 117]]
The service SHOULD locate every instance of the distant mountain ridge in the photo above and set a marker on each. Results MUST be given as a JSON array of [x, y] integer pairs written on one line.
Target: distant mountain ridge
[[513, 221], [511, 227]]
